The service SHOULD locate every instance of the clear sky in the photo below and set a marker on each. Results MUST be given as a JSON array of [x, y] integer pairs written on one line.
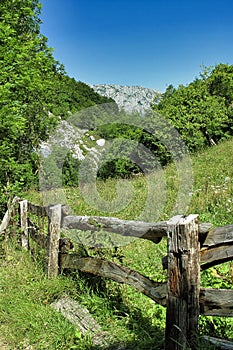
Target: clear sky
[[151, 43]]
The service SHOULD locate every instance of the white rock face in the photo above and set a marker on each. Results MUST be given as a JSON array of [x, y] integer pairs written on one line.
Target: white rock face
[[101, 142], [130, 98], [67, 137], [71, 138]]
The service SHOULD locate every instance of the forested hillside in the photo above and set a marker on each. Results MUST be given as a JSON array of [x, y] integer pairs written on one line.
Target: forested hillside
[[202, 111], [34, 90]]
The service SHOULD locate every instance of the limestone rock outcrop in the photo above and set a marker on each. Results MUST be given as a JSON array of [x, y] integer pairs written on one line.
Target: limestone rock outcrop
[[130, 98]]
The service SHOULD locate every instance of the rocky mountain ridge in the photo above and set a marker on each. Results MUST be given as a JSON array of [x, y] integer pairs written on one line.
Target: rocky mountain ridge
[[79, 142], [130, 98]]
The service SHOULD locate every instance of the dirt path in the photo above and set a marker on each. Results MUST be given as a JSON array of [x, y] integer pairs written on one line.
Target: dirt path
[[3, 345]]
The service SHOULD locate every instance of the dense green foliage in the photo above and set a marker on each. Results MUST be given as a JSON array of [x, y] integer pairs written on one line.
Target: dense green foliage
[[126, 155], [32, 84], [201, 111], [139, 145], [35, 90]]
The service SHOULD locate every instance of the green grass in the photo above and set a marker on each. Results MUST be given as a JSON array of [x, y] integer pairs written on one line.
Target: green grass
[[25, 315], [132, 318]]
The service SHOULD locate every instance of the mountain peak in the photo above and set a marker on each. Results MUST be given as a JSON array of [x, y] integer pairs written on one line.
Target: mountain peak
[[129, 98]]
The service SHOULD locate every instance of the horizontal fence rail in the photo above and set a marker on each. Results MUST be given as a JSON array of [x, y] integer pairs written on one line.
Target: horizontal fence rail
[[192, 247], [128, 228], [157, 291]]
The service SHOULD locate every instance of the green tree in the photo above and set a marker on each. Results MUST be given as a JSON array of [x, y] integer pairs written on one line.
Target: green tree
[[220, 82], [200, 117], [34, 90], [27, 68]]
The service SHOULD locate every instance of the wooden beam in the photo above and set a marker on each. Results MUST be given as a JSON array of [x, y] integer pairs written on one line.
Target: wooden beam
[[43, 211], [216, 302], [213, 302], [220, 344], [215, 255], [127, 228], [183, 283], [83, 320], [121, 274], [65, 245], [219, 235]]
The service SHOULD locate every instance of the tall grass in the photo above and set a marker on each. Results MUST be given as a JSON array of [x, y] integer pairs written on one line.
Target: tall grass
[[132, 318]]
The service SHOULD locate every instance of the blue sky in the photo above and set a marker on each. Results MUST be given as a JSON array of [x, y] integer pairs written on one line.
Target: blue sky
[[151, 43]]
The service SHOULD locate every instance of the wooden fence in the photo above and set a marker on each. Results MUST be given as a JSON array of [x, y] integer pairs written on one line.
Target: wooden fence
[[192, 247]]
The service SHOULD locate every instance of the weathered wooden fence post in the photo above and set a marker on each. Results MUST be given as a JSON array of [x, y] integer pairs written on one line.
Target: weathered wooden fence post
[[183, 283], [8, 216], [23, 207], [14, 218], [53, 240]]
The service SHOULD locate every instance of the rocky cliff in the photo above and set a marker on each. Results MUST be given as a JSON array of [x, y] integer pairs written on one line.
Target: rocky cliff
[[78, 141], [129, 98]]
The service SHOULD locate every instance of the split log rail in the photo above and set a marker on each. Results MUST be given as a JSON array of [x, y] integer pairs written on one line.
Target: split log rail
[[192, 247]]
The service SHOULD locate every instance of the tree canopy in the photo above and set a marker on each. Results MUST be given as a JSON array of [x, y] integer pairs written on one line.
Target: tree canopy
[[202, 110], [35, 90], [32, 84]]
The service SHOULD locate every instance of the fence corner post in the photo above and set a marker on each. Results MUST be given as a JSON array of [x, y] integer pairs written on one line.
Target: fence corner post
[[23, 207], [53, 240], [183, 283]]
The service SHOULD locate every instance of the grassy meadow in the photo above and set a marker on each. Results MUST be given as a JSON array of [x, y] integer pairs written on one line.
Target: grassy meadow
[[28, 322]]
